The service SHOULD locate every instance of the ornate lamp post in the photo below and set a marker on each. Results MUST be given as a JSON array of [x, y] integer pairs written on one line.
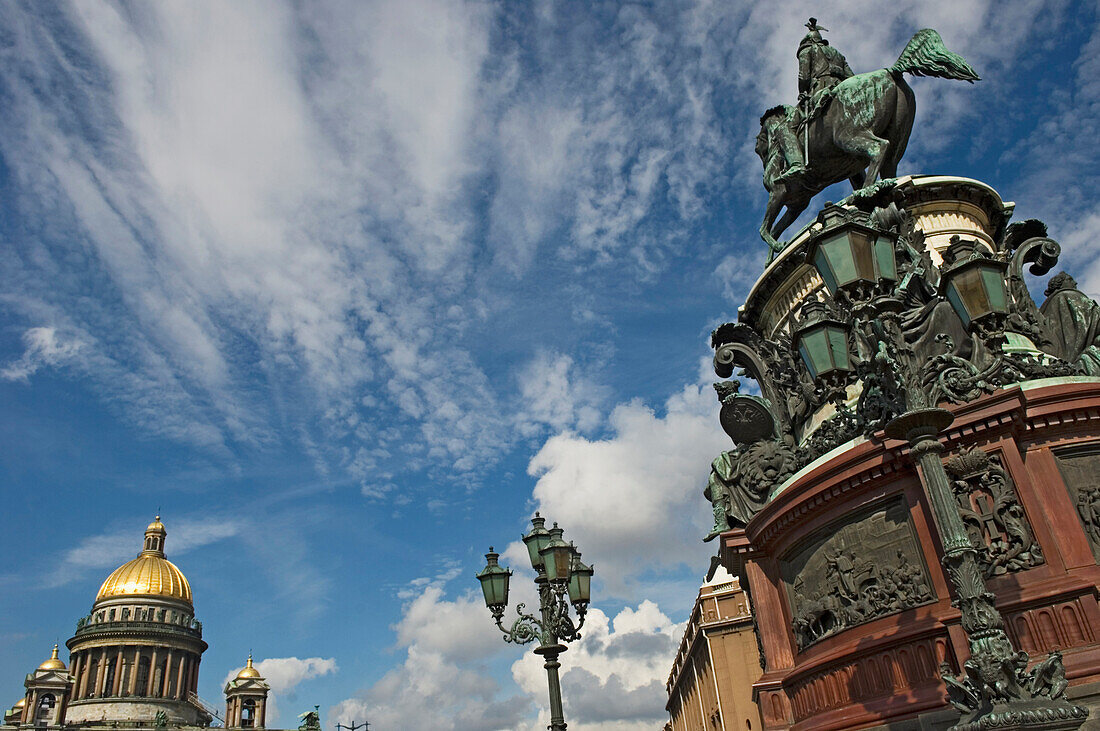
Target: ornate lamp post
[[560, 573], [859, 269]]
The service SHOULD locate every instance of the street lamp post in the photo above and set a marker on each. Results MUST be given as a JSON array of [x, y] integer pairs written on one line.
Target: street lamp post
[[562, 580], [857, 265]]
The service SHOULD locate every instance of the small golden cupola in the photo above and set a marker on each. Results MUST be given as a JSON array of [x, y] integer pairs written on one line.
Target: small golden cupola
[[53, 663], [246, 699]]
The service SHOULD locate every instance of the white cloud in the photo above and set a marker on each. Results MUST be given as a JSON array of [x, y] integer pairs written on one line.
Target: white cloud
[[613, 677], [109, 550], [284, 674], [641, 487], [443, 682], [43, 348], [554, 394]]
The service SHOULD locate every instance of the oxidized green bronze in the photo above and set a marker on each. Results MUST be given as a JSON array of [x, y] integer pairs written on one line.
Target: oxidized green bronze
[[845, 127], [557, 589]]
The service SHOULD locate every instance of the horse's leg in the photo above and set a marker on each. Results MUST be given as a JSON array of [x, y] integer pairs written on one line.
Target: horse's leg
[[794, 210], [774, 204], [905, 109], [865, 144]]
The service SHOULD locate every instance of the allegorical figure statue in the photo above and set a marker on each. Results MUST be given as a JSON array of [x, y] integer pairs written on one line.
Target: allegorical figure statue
[[1074, 319]]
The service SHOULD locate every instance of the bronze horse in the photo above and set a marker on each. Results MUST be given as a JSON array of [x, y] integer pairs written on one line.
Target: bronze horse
[[860, 136]]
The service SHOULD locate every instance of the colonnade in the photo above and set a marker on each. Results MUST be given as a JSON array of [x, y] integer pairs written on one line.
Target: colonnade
[[129, 670]]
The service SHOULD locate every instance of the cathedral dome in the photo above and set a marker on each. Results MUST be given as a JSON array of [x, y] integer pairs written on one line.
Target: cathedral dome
[[150, 574]]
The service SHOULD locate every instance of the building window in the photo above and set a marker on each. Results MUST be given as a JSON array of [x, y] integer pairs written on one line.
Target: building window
[[45, 706], [248, 713], [142, 675]]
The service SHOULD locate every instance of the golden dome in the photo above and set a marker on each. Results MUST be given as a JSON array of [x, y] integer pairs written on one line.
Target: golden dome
[[54, 663], [248, 671], [22, 702], [146, 576], [150, 574]]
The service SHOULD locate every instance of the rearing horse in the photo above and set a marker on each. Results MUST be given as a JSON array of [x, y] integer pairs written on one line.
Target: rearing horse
[[861, 135]]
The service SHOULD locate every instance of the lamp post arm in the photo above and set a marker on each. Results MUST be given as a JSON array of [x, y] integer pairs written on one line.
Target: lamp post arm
[[526, 628]]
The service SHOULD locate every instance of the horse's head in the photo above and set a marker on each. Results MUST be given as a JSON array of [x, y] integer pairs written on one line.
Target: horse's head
[[762, 144], [768, 120]]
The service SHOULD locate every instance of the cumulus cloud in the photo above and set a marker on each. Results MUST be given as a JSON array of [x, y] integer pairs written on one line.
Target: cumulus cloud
[[613, 677], [557, 396], [642, 486], [443, 682], [284, 674]]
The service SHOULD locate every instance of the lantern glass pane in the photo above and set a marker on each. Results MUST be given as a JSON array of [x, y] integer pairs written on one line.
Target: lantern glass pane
[[838, 349], [884, 256], [580, 583], [534, 545], [500, 587], [996, 295], [813, 348], [970, 299], [837, 250], [821, 263], [863, 255]]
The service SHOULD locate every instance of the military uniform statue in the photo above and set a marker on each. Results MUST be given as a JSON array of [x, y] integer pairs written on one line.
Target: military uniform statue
[[820, 68]]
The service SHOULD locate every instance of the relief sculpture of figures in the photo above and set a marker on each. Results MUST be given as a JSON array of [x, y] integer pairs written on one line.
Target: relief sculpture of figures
[[846, 127]]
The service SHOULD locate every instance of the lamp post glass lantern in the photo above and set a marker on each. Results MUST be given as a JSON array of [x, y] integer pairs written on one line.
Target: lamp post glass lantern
[[562, 580], [848, 254], [976, 289], [822, 342], [494, 580]]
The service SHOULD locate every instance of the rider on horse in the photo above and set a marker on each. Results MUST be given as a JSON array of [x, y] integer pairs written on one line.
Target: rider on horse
[[820, 68]]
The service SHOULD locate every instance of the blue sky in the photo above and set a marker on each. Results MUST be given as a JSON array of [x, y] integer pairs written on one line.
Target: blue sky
[[348, 290]]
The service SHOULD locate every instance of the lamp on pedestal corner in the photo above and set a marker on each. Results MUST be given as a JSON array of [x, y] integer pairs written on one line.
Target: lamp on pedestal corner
[[852, 258], [974, 283]]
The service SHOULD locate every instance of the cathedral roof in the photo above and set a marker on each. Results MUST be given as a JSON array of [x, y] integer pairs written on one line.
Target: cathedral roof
[[150, 574]]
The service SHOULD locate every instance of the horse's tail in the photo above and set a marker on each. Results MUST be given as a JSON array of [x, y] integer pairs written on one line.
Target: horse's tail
[[925, 55]]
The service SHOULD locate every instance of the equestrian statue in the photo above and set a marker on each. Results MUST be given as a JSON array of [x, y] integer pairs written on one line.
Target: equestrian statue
[[846, 126]]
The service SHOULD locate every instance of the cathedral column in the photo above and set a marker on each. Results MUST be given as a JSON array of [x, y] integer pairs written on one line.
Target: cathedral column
[[180, 695], [152, 674], [75, 672], [101, 672], [116, 686], [132, 685], [164, 684], [195, 681], [261, 712], [82, 681]]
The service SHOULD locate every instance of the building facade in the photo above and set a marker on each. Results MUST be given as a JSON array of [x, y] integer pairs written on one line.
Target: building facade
[[710, 686]]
